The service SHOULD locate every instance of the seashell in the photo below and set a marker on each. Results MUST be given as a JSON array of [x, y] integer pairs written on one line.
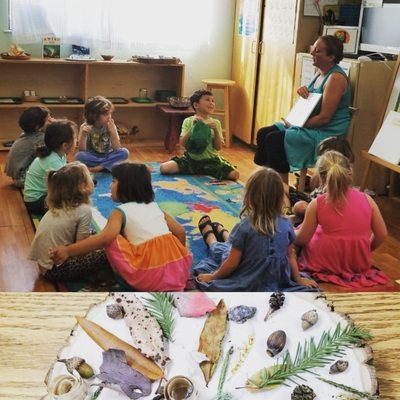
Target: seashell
[[276, 342], [338, 367], [115, 311], [241, 314], [309, 319], [303, 392], [67, 387]]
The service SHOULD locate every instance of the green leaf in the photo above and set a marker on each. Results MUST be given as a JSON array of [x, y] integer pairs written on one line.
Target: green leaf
[[159, 305], [309, 356]]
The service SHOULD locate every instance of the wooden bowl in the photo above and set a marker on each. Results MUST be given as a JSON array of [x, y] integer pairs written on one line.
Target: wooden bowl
[[107, 57], [6, 56]]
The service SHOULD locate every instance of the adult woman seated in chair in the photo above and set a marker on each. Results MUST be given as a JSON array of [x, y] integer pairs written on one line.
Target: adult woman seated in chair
[[290, 148]]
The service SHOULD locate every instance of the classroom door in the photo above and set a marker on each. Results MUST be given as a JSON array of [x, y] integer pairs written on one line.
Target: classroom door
[[244, 66], [277, 63]]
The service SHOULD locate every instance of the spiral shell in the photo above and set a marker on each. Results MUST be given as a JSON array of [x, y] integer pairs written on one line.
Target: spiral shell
[[276, 342], [309, 319], [338, 367]]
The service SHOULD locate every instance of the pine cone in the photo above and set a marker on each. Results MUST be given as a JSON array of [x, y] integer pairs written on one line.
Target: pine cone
[[303, 392], [276, 300]]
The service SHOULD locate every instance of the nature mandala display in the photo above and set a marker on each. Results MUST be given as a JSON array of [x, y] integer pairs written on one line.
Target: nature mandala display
[[220, 346]]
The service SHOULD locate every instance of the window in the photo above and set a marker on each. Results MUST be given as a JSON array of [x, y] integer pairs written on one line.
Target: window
[[9, 15]]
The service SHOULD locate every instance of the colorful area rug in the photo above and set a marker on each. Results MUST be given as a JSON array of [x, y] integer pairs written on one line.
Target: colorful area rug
[[186, 198]]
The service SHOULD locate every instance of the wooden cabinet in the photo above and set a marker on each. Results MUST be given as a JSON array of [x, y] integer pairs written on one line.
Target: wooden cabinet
[[369, 82], [267, 36], [53, 78]]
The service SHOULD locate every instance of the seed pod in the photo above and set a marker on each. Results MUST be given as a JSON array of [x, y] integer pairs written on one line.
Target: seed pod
[[276, 342], [309, 319], [275, 303], [303, 392], [338, 367], [80, 365], [115, 311]]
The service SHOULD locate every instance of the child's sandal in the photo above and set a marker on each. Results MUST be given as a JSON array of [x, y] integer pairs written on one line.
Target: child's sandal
[[219, 234], [203, 222]]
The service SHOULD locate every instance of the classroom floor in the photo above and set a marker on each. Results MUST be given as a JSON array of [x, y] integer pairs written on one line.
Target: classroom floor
[[16, 231]]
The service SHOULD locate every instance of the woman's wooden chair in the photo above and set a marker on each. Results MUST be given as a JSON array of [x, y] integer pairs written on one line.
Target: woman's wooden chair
[[303, 172]]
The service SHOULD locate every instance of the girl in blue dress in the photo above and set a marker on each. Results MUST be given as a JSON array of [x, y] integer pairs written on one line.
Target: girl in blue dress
[[258, 255]]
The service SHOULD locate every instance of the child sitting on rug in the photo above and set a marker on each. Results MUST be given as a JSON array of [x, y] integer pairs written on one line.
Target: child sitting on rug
[[144, 245], [258, 255], [202, 137], [59, 139], [301, 200], [67, 221], [336, 232], [98, 144], [33, 122]]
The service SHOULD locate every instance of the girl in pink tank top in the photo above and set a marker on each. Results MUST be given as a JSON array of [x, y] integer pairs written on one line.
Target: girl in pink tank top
[[336, 232]]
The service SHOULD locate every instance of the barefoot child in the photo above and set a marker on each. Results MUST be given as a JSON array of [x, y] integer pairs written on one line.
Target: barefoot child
[[202, 138], [144, 245], [33, 122], [336, 232], [59, 139], [98, 143], [66, 222]]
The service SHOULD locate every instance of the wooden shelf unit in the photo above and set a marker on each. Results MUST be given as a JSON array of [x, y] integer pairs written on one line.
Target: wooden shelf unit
[[84, 79]]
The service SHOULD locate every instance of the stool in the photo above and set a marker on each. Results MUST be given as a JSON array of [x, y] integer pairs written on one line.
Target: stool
[[224, 85]]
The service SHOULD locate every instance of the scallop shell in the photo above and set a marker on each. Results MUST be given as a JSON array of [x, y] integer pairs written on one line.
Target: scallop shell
[[309, 319], [338, 367], [276, 342]]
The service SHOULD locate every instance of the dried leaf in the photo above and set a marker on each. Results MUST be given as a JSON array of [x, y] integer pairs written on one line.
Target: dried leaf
[[115, 370], [146, 333], [106, 340], [211, 339]]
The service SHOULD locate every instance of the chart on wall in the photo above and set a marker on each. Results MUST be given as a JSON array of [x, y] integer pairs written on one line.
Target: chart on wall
[[248, 18], [281, 18]]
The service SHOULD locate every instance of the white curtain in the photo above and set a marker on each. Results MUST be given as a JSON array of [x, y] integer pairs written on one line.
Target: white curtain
[[149, 25]]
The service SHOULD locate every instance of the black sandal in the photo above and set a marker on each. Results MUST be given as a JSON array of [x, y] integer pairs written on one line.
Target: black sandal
[[206, 221], [219, 234]]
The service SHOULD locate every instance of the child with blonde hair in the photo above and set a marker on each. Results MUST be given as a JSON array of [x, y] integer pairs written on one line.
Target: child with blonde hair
[[59, 139], [336, 232], [258, 255], [66, 222], [98, 142], [144, 245]]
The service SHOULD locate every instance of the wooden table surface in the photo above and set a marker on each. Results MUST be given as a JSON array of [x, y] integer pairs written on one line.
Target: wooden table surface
[[34, 326]]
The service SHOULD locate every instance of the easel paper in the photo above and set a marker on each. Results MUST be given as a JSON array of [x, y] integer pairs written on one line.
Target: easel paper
[[387, 142]]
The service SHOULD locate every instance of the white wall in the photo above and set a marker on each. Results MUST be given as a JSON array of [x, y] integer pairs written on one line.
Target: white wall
[[211, 62]]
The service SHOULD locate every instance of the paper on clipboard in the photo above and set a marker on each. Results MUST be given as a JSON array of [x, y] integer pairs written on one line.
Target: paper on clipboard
[[303, 108]]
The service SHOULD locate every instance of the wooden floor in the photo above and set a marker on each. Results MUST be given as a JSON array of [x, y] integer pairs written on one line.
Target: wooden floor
[[16, 232]]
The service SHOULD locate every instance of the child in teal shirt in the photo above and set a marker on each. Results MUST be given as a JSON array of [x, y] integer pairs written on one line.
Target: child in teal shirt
[[202, 137], [59, 139]]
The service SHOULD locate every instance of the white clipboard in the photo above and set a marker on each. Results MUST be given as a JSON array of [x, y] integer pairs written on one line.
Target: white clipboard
[[302, 109]]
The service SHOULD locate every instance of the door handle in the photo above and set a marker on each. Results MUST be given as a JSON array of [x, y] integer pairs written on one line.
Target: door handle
[[261, 47]]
